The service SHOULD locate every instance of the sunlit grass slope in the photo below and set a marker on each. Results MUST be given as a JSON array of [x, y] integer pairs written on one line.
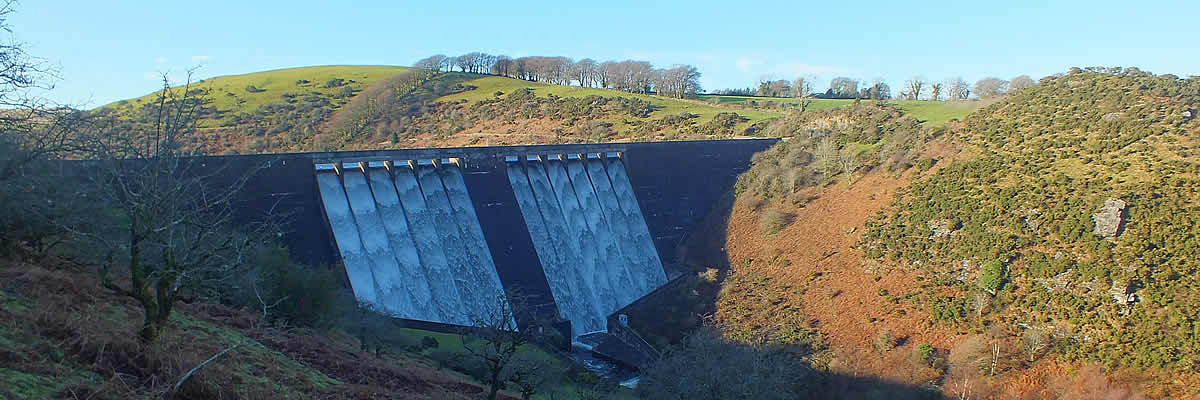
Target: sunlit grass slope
[[233, 94], [487, 86]]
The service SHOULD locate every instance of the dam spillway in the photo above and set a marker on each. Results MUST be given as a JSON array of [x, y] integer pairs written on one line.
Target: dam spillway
[[409, 239], [597, 255], [434, 235]]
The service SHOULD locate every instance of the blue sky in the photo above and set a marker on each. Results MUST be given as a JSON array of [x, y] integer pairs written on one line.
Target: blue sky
[[111, 50]]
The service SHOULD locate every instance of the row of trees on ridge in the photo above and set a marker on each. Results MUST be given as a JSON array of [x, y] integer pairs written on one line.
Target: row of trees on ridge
[[632, 76]]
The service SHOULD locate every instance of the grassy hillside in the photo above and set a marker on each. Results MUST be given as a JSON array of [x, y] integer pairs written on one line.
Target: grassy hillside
[[488, 85], [937, 113], [457, 109], [305, 109], [230, 94]]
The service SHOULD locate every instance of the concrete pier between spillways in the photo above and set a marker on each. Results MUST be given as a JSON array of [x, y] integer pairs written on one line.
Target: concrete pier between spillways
[[676, 185]]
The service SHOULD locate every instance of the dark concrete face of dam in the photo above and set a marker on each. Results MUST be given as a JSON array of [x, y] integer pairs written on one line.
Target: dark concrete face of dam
[[676, 185]]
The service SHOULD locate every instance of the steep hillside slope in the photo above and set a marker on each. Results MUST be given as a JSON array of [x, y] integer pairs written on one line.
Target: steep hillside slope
[[1054, 229], [457, 109], [323, 108], [279, 110], [1080, 218], [487, 86], [63, 336], [233, 95]]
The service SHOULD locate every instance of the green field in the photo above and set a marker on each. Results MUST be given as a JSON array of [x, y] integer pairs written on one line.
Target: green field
[[487, 86], [816, 104], [230, 94], [930, 113], [937, 113]]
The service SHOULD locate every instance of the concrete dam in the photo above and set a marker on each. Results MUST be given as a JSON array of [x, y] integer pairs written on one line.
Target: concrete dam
[[436, 236]]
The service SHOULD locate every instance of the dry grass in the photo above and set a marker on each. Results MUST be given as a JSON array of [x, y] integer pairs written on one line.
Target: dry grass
[[62, 336]]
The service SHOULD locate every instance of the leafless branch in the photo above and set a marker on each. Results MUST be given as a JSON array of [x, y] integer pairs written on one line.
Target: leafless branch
[[192, 371]]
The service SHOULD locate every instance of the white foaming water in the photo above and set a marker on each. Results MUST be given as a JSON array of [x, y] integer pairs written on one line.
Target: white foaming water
[[589, 234], [358, 268], [411, 241]]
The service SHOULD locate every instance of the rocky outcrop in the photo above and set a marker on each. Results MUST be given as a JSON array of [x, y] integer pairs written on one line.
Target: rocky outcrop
[[1029, 217], [1123, 294], [1108, 219], [940, 228]]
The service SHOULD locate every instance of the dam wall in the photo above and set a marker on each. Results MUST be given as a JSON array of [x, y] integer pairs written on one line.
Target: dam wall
[[620, 209]]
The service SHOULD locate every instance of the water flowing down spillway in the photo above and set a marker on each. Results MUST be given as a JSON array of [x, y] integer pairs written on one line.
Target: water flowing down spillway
[[589, 234], [410, 239]]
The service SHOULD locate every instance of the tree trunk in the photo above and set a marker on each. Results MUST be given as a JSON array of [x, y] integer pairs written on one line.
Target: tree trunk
[[495, 385]]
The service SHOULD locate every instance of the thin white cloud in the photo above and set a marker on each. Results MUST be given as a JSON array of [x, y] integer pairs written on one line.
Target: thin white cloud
[[161, 60], [199, 58], [154, 76]]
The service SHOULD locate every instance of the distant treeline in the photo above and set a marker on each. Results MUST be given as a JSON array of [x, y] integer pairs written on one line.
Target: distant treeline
[[632, 76], [916, 88]]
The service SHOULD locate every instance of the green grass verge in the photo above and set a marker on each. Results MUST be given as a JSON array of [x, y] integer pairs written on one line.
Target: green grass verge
[[454, 343]]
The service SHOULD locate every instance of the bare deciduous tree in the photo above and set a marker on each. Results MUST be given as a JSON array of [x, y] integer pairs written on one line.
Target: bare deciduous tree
[[502, 66], [913, 87], [979, 303], [172, 223], [990, 87], [957, 89], [583, 71], [32, 132], [827, 155], [497, 340], [848, 161], [432, 63], [802, 89], [935, 91], [844, 87], [1034, 341], [880, 90], [1020, 82], [680, 81], [603, 74], [774, 87]]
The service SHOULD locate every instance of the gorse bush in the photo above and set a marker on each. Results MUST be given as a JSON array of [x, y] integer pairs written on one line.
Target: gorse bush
[[992, 276], [774, 220], [820, 145]]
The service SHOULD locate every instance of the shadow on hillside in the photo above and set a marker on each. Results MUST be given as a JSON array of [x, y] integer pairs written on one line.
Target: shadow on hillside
[[840, 386], [681, 308]]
